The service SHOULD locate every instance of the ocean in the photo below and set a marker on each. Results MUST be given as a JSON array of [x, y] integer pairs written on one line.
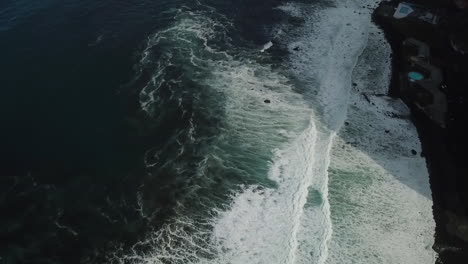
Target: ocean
[[205, 131]]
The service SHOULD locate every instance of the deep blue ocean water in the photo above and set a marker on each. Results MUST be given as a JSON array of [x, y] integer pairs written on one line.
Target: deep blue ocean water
[[73, 137]]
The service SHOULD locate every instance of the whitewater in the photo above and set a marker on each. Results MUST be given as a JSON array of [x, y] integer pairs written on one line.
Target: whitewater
[[317, 173]]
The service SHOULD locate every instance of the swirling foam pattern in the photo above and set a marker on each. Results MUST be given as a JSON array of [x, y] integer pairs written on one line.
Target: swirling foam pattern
[[260, 191]]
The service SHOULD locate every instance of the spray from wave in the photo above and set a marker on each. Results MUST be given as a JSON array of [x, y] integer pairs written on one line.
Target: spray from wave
[[254, 115]]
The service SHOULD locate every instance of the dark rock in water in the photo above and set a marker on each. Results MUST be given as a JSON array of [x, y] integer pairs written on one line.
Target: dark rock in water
[[387, 131], [267, 101], [296, 49], [414, 152], [354, 84], [346, 123]]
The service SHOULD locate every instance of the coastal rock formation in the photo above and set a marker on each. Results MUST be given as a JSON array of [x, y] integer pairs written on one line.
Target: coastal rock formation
[[443, 138]]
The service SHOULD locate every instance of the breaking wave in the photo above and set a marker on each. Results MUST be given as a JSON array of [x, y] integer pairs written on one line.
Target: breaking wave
[[259, 136]]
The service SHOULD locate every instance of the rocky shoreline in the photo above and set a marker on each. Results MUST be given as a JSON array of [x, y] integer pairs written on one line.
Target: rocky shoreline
[[442, 26]]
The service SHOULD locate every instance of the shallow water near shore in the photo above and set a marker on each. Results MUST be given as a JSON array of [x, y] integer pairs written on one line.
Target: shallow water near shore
[[217, 136]]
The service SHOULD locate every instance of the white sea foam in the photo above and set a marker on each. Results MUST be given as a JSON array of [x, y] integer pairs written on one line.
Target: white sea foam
[[380, 196], [262, 226], [253, 131], [325, 52], [292, 222], [267, 46], [284, 225]]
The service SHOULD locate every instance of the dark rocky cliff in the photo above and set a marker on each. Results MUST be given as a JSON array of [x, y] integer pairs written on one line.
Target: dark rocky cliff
[[445, 147]]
